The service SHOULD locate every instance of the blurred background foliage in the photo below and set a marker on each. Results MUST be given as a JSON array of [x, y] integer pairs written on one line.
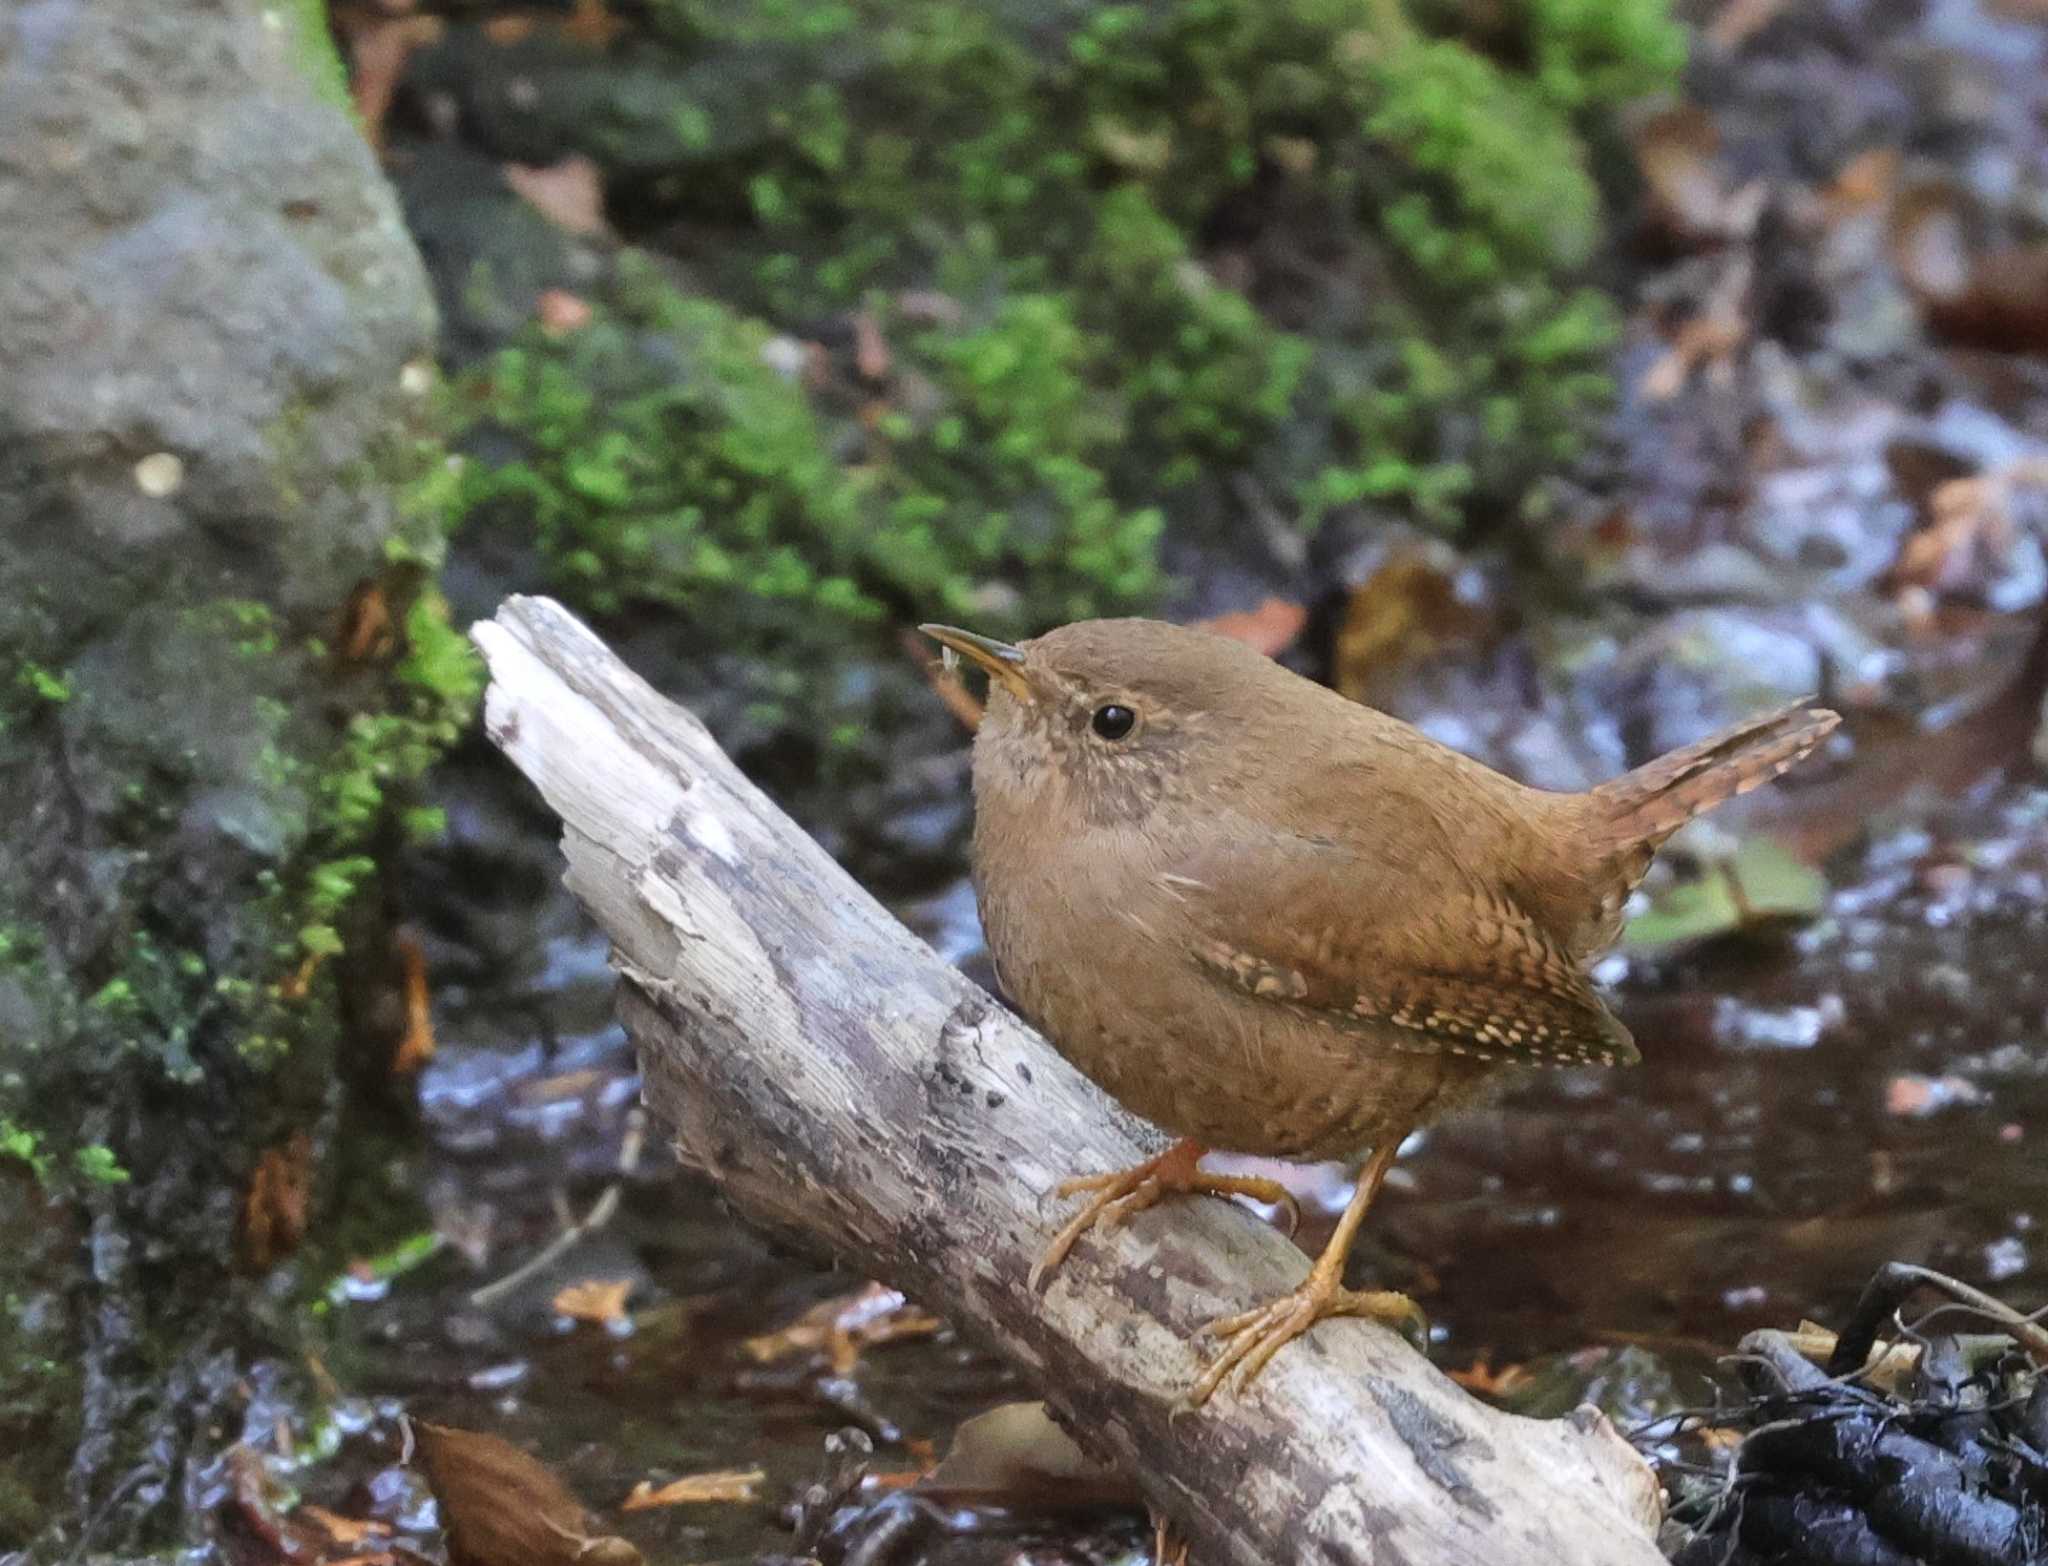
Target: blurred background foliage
[[1084, 276]]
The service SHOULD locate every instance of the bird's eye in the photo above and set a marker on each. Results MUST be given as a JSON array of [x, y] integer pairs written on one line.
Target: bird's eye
[[1113, 722]]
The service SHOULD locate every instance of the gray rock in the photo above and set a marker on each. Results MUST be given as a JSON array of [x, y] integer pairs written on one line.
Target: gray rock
[[214, 336]]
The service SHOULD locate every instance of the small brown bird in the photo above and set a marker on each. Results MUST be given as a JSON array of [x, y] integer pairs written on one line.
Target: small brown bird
[[1277, 922]]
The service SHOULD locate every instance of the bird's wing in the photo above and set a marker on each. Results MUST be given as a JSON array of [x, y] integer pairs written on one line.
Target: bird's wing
[[1397, 958]]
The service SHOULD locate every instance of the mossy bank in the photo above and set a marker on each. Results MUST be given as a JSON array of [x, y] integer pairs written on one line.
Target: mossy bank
[[960, 310], [221, 656]]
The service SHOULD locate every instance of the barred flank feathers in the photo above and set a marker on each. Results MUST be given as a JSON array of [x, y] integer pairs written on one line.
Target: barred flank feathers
[[1645, 806]]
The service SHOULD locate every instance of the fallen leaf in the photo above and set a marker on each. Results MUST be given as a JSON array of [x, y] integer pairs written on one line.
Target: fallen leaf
[[561, 1087], [1760, 889], [503, 1507], [726, 1484], [569, 194], [1678, 151], [416, 1045], [1017, 1454], [2003, 307], [276, 1204], [1865, 181], [591, 22], [1708, 340], [1270, 628], [1970, 528], [600, 1301], [1929, 244], [510, 27], [1404, 610], [345, 1531], [841, 1328], [1482, 1378], [367, 630], [1910, 1096]]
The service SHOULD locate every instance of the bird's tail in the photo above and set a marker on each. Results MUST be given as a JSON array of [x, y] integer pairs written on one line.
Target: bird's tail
[[1643, 807]]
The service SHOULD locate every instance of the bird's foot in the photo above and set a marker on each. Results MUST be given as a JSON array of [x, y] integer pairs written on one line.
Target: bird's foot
[[1123, 1192], [1257, 1335]]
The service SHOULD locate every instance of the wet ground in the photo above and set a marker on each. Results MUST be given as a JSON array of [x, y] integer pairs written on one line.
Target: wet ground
[[1813, 1102]]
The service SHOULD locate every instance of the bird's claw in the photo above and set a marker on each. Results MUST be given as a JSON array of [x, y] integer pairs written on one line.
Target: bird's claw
[[1122, 1193], [1255, 1336]]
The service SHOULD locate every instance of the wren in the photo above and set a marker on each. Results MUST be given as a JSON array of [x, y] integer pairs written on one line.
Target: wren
[[1274, 921]]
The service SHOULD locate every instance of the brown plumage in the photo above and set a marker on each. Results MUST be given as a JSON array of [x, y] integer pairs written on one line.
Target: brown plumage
[[1277, 922]]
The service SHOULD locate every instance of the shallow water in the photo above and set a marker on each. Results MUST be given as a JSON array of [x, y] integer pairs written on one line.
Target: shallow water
[[1865, 1088]]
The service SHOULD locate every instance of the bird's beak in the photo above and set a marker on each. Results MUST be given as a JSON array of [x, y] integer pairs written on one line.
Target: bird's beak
[[1004, 663]]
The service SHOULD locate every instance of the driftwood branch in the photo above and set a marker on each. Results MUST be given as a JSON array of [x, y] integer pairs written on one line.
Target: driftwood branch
[[838, 1079]]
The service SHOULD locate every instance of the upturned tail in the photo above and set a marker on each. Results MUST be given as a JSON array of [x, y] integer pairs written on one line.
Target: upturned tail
[[1640, 809]]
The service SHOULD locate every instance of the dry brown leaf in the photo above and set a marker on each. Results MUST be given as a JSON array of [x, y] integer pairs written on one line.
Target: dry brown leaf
[[840, 1328], [503, 1507], [416, 1045], [569, 194], [1865, 181], [297, 984], [1482, 1378], [600, 1301], [1270, 628], [591, 22], [1016, 1453], [1970, 527], [1678, 151], [561, 1087], [276, 1205], [726, 1484], [367, 630], [2004, 306], [1929, 243], [511, 27], [344, 1531], [1404, 610], [1710, 340]]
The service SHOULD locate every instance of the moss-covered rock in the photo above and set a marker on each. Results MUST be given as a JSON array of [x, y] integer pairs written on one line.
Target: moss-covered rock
[[220, 649]]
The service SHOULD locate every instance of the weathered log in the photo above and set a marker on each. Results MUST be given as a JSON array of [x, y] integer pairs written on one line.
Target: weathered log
[[838, 1080]]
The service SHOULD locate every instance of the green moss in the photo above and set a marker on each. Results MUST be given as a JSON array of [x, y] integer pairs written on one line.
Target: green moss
[[1138, 268], [1404, 207], [313, 50], [25, 1146], [42, 684], [98, 1165]]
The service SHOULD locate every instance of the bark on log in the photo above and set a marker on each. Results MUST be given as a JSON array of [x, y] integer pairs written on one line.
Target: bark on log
[[838, 1079]]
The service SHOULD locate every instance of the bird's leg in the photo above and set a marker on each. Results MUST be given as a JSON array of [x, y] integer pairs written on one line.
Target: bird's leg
[[1257, 1335], [1123, 1192]]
